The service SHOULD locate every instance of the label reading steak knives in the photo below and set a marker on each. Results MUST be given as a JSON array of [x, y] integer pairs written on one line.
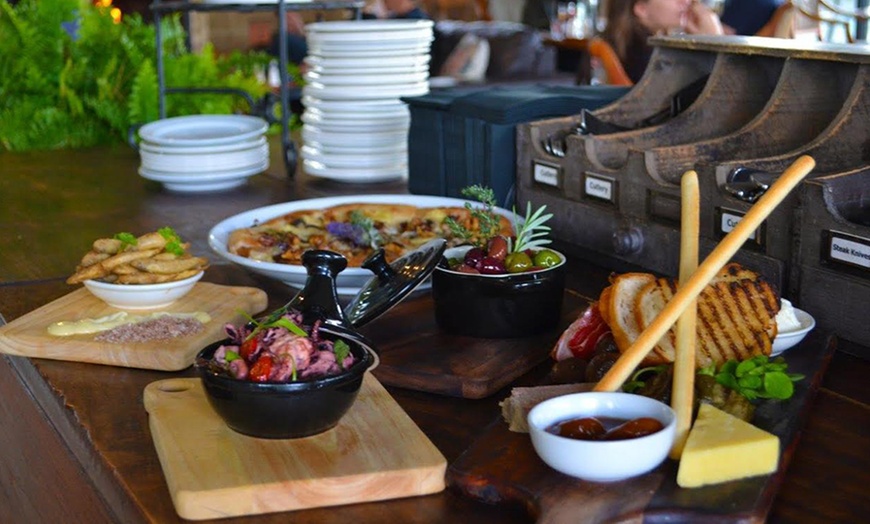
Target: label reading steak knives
[[848, 249]]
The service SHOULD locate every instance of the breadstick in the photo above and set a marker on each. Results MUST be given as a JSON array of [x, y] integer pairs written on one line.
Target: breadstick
[[683, 393], [723, 252]]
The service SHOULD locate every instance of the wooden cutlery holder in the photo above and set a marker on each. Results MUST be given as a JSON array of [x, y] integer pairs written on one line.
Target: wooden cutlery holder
[[832, 255], [616, 195]]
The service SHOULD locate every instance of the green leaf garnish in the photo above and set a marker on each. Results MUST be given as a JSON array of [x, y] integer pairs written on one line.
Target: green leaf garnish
[[341, 350], [276, 319], [635, 383], [489, 222], [532, 232], [127, 240], [232, 355], [173, 241], [756, 377]]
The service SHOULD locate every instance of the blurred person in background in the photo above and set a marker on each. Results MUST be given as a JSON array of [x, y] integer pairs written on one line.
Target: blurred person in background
[[396, 9], [747, 17], [631, 22]]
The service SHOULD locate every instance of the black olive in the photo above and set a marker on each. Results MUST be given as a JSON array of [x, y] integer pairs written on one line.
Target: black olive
[[568, 371], [599, 365]]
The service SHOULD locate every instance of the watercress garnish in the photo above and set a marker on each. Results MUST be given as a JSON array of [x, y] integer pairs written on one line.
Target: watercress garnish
[[756, 377]]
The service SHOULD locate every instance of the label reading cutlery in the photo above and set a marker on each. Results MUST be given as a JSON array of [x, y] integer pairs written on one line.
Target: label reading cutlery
[[728, 220], [547, 174], [600, 187]]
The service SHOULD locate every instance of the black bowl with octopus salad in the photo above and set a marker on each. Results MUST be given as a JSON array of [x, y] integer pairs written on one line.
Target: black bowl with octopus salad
[[269, 381]]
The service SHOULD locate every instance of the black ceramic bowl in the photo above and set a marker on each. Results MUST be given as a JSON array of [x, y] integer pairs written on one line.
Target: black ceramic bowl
[[497, 306], [287, 410]]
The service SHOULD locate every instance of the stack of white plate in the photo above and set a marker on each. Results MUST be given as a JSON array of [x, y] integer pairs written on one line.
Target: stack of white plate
[[199, 153], [355, 125]]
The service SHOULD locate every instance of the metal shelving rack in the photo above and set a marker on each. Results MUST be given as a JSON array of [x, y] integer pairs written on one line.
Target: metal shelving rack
[[280, 7]]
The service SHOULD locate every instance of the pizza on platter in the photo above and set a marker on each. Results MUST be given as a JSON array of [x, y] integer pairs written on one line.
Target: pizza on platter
[[354, 230]]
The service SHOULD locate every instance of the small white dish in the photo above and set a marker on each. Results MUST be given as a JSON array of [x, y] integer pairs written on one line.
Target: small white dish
[[204, 182], [349, 160], [601, 460], [142, 296], [358, 106], [356, 175], [396, 138], [204, 162], [375, 64], [203, 130], [378, 79], [199, 150], [788, 339], [416, 50], [364, 92], [362, 26]]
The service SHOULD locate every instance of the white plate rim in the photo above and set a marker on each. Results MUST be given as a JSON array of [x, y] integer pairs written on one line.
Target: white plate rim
[[395, 61], [380, 80], [350, 281], [353, 26], [194, 150], [249, 127], [214, 176]]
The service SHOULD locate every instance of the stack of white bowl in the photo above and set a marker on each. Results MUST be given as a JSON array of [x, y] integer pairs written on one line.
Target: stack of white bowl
[[199, 153], [355, 124]]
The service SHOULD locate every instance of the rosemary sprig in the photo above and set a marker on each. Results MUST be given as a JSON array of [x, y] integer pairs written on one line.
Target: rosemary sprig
[[532, 232], [487, 219]]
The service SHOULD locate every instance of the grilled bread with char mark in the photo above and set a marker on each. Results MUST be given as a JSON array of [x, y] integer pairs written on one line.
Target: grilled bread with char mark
[[736, 315]]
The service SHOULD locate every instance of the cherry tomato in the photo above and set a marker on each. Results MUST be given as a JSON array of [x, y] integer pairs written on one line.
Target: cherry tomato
[[517, 263], [249, 349], [546, 258], [261, 369]]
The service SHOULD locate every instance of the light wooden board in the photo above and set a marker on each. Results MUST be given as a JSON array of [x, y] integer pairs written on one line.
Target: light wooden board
[[28, 336], [375, 453]]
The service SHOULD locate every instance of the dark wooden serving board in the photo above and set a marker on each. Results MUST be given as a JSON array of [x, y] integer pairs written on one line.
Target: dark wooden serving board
[[501, 467], [416, 354]]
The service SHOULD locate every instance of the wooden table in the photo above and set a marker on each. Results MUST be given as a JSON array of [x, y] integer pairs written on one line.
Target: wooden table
[[74, 437]]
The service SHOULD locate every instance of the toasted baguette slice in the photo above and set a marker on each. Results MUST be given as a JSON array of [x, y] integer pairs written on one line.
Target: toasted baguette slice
[[736, 317], [617, 304]]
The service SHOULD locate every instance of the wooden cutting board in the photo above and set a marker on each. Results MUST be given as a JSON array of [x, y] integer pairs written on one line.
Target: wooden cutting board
[[27, 335], [501, 467], [375, 453], [416, 354]]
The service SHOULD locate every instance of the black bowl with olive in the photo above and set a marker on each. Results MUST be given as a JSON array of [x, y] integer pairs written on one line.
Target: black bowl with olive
[[498, 305]]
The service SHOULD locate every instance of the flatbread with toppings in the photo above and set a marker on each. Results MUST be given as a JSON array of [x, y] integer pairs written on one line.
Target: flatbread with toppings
[[354, 230]]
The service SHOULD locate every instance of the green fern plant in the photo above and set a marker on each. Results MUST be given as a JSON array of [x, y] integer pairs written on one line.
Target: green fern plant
[[71, 77]]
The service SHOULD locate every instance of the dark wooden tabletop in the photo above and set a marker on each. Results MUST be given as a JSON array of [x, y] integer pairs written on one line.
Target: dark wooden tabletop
[[74, 439]]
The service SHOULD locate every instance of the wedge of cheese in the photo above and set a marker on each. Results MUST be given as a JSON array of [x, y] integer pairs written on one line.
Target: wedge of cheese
[[721, 447]]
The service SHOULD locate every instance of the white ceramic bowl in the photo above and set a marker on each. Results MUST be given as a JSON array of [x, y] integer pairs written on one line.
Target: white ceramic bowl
[[142, 296], [601, 461], [788, 339]]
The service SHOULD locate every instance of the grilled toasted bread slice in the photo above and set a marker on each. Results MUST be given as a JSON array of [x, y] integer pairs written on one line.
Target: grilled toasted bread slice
[[617, 305], [736, 317]]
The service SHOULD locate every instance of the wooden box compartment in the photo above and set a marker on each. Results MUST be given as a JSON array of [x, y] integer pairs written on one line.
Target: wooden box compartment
[[617, 198], [833, 253]]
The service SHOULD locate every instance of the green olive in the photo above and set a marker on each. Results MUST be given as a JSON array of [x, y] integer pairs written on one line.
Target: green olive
[[517, 262], [546, 258]]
